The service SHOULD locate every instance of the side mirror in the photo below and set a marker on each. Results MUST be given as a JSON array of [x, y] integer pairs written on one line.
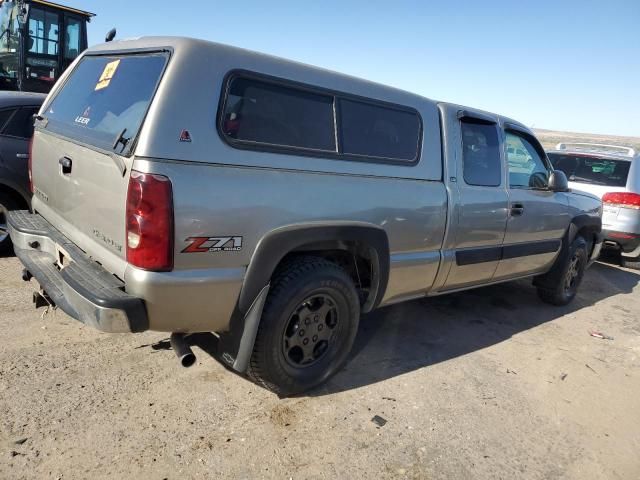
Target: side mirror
[[111, 34], [558, 181]]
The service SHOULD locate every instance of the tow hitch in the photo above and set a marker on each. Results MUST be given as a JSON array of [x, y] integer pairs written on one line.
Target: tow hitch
[[41, 299]]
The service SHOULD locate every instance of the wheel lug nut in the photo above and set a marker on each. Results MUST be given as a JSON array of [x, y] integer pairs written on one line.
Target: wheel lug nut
[[305, 341], [315, 338], [307, 321], [320, 327], [316, 318], [301, 333]]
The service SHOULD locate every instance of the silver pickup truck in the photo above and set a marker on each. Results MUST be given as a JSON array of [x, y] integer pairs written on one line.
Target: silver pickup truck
[[185, 186]]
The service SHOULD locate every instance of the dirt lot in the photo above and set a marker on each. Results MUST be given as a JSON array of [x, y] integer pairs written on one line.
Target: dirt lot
[[550, 138], [485, 384]]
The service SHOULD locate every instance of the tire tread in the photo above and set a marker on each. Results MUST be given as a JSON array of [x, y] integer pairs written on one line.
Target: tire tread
[[288, 274]]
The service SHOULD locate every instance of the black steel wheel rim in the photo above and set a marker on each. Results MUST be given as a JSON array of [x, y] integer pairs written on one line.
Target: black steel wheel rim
[[310, 330], [573, 273]]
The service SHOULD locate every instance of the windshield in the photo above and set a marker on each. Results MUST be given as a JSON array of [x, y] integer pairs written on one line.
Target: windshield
[[9, 40], [104, 101], [592, 170]]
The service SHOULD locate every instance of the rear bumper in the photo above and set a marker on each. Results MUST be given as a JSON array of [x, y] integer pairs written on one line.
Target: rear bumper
[[81, 288], [629, 243]]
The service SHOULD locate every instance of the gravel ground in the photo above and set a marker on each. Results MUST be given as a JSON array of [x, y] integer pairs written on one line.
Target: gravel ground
[[490, 383]]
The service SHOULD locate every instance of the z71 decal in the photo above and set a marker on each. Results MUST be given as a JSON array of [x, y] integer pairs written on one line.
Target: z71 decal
[[213, 244]]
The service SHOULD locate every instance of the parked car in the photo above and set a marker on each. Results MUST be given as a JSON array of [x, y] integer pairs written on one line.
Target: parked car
[[612, 173], [16, 128], [186, 186]]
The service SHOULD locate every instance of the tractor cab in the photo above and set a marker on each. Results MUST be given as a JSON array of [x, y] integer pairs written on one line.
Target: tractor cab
[[38, 41]]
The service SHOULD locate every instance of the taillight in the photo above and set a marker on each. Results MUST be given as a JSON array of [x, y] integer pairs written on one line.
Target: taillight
[[622, 199], [30, 163], [149, 222]]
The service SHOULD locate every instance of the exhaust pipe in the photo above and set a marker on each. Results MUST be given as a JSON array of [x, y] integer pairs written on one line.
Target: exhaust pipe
[[182, 349]]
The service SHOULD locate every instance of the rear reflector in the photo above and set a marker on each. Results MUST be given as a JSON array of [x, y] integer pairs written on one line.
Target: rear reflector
[[622, 199], [30, 165], [149, 222]]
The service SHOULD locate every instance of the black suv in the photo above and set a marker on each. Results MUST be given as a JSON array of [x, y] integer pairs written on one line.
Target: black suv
[[16, 128]]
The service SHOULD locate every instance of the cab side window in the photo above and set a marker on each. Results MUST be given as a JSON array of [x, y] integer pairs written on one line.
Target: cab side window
[[480, 153], [5, 115], [21, 124], [527, 169]]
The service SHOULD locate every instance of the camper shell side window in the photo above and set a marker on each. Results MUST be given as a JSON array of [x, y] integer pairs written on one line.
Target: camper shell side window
[[264, 113]]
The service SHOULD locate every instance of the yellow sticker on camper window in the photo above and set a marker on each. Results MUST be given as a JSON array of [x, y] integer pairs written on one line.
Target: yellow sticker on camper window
[[107, 74]]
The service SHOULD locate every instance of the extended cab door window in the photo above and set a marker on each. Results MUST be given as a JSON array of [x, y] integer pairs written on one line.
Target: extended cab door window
[[481, 154]]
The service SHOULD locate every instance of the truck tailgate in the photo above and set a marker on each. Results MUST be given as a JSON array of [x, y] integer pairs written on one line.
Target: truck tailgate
[[82, 151]]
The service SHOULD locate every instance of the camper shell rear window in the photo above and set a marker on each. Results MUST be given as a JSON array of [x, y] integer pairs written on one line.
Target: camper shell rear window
[[105, 99]]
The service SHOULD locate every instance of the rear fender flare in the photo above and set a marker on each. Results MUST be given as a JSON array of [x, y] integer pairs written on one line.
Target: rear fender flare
[[277, 244], [236, 345]]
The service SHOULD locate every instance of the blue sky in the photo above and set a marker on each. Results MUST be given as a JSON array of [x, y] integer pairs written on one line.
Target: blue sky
[[558, 64]]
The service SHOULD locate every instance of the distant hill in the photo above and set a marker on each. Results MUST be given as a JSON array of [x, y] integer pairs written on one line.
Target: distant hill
[[550, 138]]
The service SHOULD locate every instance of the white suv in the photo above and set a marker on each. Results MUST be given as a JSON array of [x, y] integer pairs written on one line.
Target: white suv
[[612, 173]]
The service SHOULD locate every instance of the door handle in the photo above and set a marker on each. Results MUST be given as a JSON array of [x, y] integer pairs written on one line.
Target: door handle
[[22, 155], [517, 209], [65, 163]]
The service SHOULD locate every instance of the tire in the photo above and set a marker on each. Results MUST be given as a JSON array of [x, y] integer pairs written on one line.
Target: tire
[[7, 203], [566, 275], [633, 262], [308, 325]]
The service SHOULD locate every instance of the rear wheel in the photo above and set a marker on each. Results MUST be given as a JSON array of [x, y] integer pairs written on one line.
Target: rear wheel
[[308, 326], [565, 277], [6, 203]]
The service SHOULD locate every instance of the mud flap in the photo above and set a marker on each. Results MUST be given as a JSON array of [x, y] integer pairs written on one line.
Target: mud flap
[[236, 345]]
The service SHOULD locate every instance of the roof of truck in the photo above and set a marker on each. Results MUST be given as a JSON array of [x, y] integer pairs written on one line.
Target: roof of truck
[[202, 48], [198, 45]]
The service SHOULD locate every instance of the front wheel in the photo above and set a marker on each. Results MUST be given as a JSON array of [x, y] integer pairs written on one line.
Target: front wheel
[[308, 326], [566, 276]]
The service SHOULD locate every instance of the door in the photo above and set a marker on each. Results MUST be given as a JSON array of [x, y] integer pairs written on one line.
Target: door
[[538, 217], [74, 39], [480, 210], [42, 45], [16, 130]]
